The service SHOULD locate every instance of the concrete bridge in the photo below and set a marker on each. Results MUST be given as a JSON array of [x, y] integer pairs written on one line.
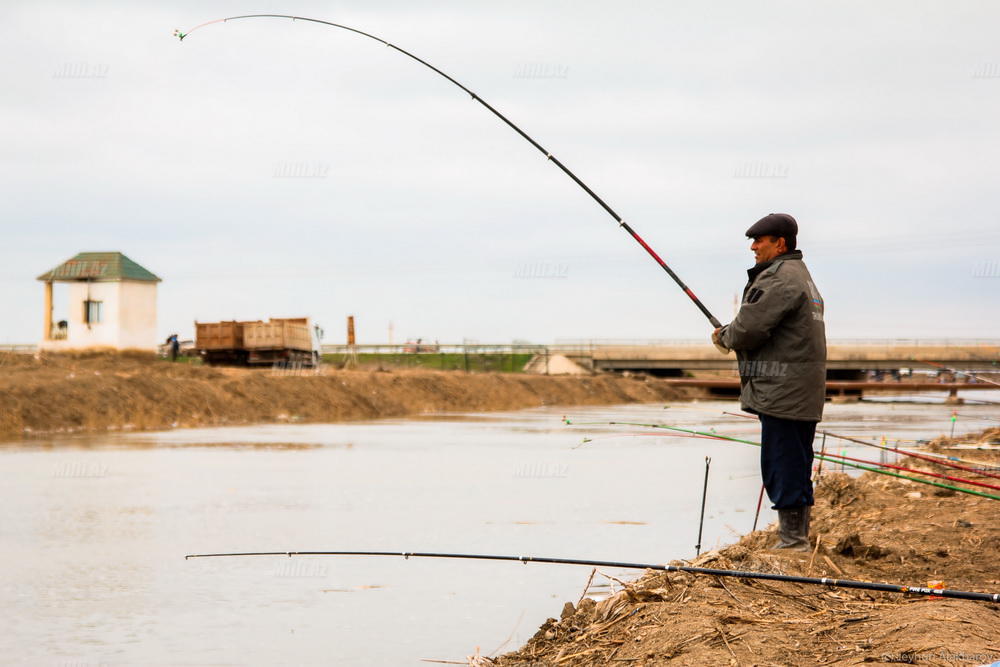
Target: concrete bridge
[[848, 363], [846, 359]]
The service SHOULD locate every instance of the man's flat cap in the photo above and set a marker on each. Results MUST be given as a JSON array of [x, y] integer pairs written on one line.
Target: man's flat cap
[[775, 224]]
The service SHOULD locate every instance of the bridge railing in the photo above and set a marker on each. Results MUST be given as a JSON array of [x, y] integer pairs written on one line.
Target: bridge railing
[[670, 342]]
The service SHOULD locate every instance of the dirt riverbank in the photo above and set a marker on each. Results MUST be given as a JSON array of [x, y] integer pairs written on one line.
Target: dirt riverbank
[[872, 528], [94, 392]]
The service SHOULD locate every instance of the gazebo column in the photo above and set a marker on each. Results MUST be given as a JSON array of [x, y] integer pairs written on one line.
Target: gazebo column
[[47, 334]]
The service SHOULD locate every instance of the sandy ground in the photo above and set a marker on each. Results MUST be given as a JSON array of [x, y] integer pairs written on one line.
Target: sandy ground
[[94, 392], [873, 528]]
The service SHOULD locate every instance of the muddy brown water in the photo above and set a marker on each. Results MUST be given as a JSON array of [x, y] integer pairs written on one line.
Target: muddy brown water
[[95, 529]]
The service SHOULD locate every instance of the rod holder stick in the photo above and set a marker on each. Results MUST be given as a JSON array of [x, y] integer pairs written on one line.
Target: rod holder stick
[[760, 500], [704, 494], [822, 453]]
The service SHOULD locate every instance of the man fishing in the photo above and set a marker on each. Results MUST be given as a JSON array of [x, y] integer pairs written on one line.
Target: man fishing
[[780, 343]]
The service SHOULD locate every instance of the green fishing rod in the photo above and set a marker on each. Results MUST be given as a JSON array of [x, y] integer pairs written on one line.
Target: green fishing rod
[[819, 456], [740, 574], [938, 459]]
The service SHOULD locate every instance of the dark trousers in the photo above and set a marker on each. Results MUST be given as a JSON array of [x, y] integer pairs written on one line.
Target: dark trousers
[[786, 457]]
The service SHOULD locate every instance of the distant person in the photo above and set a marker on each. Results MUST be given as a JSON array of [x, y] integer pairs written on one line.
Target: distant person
[[780, 343], [175, 346]]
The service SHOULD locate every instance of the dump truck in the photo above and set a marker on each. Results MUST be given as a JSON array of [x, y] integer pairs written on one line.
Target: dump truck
[[286, 341]]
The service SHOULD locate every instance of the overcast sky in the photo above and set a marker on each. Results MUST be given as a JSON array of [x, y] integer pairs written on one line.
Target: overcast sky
[[270, 168]]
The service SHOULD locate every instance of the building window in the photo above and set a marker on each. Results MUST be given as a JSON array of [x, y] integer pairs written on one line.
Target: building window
[[92, 311]]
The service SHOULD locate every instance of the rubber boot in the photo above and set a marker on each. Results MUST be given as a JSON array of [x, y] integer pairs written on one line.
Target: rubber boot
[[793, 529]]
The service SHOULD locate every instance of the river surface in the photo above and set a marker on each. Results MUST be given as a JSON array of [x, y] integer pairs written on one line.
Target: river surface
[[95, 529]]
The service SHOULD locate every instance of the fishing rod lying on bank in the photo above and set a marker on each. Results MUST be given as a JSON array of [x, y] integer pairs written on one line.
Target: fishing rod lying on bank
[[927, 473], [822, 457], [621, 223], [939, 459], [841, 457], [741, 574]]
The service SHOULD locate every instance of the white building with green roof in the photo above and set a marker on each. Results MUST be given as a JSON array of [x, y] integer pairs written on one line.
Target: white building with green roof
[[111, 304]]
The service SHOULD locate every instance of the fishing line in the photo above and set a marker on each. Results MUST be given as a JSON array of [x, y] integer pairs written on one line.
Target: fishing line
[[741, 574], [958, 372], [612, 436], [967, 416], [981, 401], [621, 223]]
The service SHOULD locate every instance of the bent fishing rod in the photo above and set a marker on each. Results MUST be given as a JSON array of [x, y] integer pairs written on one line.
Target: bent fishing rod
[[740, 574], [621, 223]]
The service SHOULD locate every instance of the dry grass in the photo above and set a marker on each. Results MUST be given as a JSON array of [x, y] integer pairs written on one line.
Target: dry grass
[[869, 529]]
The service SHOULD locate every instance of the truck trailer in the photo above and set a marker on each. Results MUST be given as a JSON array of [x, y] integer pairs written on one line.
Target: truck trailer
[[286, 341]]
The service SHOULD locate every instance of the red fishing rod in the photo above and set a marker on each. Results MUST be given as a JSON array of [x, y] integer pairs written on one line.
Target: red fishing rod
[[928, 473], [621, 223], [843, 457], [923, 457], [903, 452], [822, 457]]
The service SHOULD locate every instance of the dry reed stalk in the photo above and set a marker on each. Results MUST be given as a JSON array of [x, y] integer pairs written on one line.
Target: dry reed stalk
[[586, 588], [819, 538], [830, 562], [723, 583], [728, 647]]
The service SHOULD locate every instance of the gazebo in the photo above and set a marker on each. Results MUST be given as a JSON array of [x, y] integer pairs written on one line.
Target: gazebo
[[112, 304]]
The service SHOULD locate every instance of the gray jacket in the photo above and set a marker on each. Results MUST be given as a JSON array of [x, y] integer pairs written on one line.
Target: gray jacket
[[780, 341]]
